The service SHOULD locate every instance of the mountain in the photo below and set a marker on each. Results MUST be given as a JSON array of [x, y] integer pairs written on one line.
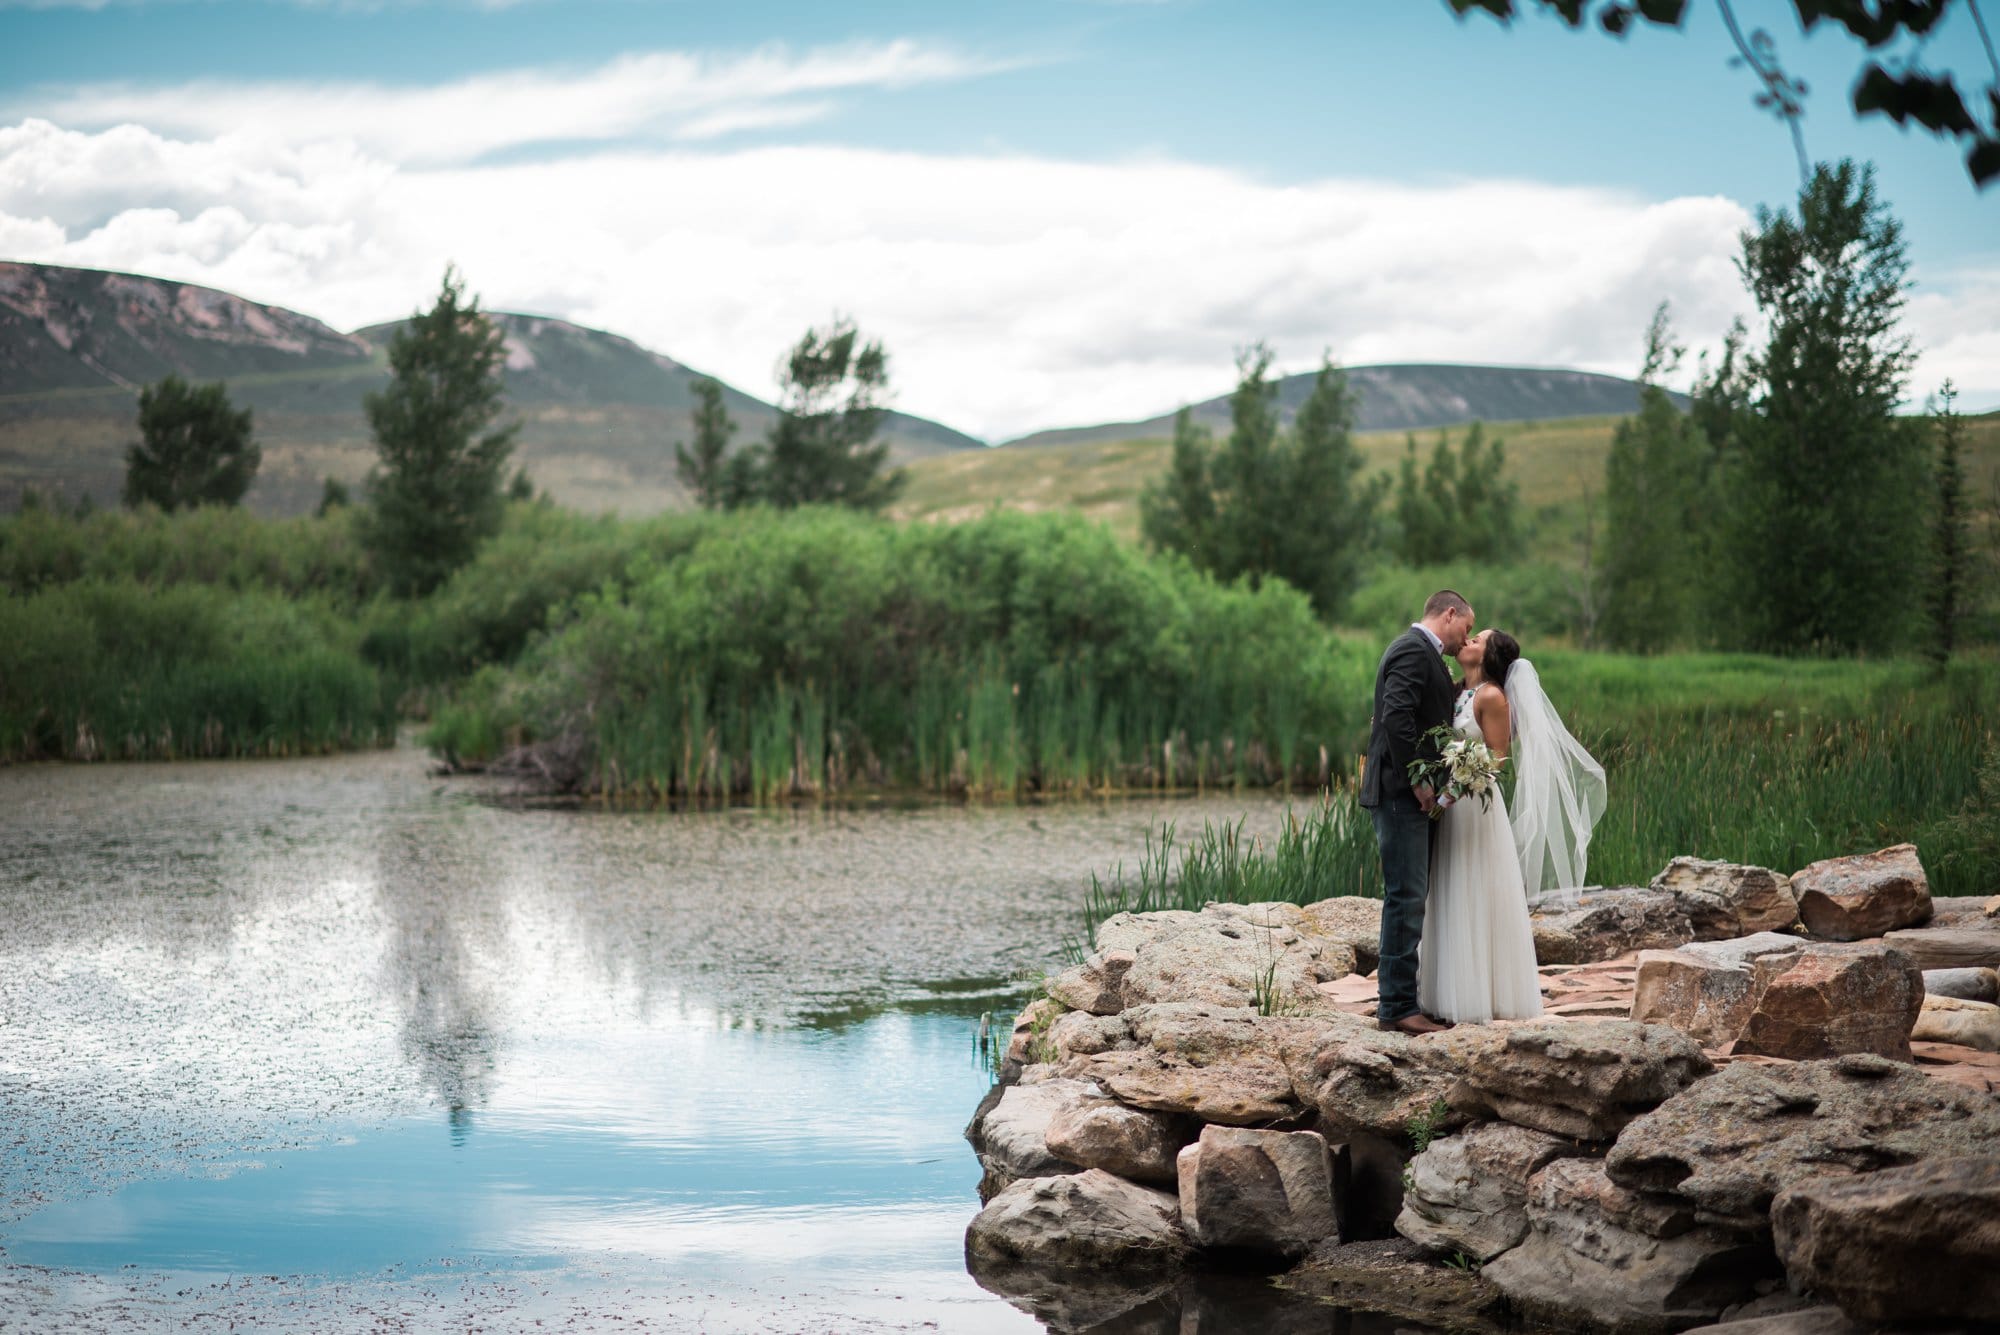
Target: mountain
[[599, 413], [1406, 398]]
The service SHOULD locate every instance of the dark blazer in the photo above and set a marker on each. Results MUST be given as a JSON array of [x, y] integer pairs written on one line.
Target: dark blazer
[[1413, 694]]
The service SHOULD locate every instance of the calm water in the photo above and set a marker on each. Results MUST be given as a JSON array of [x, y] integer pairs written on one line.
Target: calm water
[[334, 1044]]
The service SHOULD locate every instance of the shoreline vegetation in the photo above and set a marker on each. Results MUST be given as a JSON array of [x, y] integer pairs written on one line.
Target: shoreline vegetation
[[824, 654]]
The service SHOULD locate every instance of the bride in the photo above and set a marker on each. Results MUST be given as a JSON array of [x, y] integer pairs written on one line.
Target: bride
[[1478, 954]]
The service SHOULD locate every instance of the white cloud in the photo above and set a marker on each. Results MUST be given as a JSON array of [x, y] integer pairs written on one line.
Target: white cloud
[[1014, 292], [653, 95]]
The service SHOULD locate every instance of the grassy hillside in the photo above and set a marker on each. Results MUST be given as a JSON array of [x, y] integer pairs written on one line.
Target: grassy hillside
[[1554, 463]]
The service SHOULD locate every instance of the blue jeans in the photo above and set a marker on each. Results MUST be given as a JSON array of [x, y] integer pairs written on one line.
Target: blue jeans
[[1403, 832]]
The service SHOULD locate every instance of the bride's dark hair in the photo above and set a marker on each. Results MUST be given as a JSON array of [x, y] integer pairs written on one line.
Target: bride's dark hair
[[1501, 651]]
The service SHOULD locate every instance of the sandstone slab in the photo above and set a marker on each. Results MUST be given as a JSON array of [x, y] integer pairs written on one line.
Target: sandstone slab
[[1948, 947], [1835, 999], [1133, 1143], [1911, 1244], [1965, 984], [1607, 1257], [1235, 955], [1970, 1024], [1728, 1144], [1723, 900], [1583, 1079], [1265, 1193], [1095, 986], [1605, 923], [1085, 1220], [1220, 1064], [1363, 1081], [1350, 920], [1851, 898], [1469, 1192]]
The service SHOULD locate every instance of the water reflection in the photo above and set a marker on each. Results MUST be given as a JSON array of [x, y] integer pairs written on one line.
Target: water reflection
[[251, 1015]]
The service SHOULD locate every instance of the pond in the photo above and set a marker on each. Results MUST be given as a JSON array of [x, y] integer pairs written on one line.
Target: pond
[[334, 1044]]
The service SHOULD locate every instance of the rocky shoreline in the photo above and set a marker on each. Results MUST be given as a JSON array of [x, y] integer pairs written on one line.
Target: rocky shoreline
[[1763, 1100]]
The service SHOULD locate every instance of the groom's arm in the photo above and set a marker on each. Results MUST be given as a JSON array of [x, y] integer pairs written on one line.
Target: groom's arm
[[1403, 681]]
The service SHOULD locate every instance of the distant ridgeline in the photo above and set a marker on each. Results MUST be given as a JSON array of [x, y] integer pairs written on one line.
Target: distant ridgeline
[[600, 413]]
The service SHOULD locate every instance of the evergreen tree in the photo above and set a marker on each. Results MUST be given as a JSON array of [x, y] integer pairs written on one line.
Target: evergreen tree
[[1177, 512], [703, 470], [1270, 502], [1423, 529], [437, 493], [1827, 484], [194, 448], [332, 496], [521, 487], [1486, 500], [1654, 513], [1950, 544], [823, 449]]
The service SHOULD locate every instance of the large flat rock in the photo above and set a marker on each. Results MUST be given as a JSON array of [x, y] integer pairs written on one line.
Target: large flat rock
[[1722, 900], [1852, 898]]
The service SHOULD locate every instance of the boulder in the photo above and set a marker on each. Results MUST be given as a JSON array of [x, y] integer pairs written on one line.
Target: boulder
[[1606, 1257], [1350, 920], [1912, 1244], [1264, 1193], [1131, 1142], [1095, 986], [1086, 1220], [1730, 1143], [1073, 1301], [1079, 1034], [1707, 990], [1129, 931], [1967, 911], [1835, 999], [1237, 955], [1849, 899], [1965, 984], [1825, 1319], [1604, 924], [1009, 1131], [1971, 1024], [1028, 1043], [1395, 1277], [1220, 1064], [1728, 899], [1948, 947], [1469, 1192], [1584, 1078], [1361, 1080]]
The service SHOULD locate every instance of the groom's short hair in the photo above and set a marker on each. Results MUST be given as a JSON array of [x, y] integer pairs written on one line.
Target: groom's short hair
[[1444, 600]]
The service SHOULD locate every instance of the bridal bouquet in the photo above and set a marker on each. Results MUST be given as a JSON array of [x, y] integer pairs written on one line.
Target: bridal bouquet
[[1465, 767]]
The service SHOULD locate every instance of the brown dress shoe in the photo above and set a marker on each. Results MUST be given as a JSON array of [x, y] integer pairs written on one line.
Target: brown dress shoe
[[1412, 1024]]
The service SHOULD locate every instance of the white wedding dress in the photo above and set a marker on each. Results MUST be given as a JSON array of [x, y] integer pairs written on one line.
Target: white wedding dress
[[1477, 959]]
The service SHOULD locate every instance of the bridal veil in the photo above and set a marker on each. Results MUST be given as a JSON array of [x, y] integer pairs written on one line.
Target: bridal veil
[[1559, 790]]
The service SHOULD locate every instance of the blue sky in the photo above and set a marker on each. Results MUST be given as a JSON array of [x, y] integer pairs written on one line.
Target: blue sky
[[1055, 211]]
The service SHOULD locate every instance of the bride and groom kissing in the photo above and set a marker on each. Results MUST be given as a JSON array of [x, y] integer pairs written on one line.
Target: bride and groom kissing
[[1456, 943]]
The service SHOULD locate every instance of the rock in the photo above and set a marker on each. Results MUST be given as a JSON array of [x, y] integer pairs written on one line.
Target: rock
[[1583, 1078], [1350, 920], [1095, 986], [1363, 1081], [1131, 1142], [1835, 999], [1971, 1024], [1235, 954], [1028, 1045], [1604, 924], [1822, 1320], [1265, 1193], [1088, 1219], [1606, 1257], [1948, 947], [1730, 1143], [1396, 1277], [1009, 1132], [1847, 899], [1965, 984], [1220, 1064], [1368, 1185], [1965, 911], [1469, 1192], [1129, 931], [1708, 990], [1728, 899], [1073, 1301], [1079, 1034], [1906, 1244]]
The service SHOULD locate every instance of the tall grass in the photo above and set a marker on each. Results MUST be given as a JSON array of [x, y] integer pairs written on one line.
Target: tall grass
[[804, 653]]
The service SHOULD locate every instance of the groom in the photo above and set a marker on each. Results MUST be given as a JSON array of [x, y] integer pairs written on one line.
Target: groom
[[1413, 694]]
